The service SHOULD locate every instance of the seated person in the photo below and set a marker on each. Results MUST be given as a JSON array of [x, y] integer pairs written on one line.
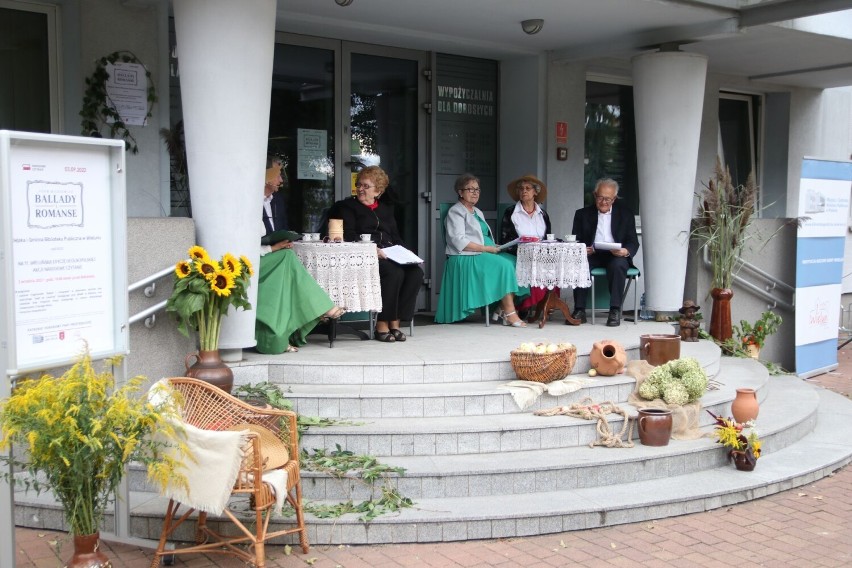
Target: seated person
[[526, 219], [365, 214], [608, 222], [290, 303], [476, 273]]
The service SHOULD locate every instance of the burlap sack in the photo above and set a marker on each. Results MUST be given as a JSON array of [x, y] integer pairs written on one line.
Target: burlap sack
[[684, 418]]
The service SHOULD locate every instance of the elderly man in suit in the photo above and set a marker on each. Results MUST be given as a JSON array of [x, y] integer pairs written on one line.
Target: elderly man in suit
[[606, 222]]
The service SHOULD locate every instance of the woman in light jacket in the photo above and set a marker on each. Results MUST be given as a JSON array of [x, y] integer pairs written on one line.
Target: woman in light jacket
[[476, 273]]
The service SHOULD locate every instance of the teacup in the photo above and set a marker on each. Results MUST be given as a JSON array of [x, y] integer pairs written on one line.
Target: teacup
[[570, 238], [312, 236], [366, 237], [550, 237]]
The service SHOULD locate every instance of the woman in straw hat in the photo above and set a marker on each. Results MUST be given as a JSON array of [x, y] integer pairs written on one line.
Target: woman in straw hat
[[526, 219]]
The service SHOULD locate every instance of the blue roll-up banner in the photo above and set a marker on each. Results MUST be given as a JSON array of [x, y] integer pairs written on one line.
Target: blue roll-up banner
[[824, 203]]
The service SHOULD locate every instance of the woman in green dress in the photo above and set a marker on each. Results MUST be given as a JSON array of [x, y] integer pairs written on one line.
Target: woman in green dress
[[476, 273], [290, 303]]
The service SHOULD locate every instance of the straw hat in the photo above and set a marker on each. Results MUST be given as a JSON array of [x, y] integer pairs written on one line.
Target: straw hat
[[275, 453], [512, 188]]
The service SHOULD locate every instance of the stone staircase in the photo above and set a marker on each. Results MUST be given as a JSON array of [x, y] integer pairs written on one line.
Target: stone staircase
[[479, 467]]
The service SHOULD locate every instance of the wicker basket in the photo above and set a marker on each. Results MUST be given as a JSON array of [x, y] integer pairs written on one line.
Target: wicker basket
[[544, 367]]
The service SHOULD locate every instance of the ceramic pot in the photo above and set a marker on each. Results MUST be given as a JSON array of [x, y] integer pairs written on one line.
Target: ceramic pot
[[659, 348], [87, 553], [720, 318], [655, 426], [210, 368], [744, 461], [608, 357], [745, 406], [753, 351]]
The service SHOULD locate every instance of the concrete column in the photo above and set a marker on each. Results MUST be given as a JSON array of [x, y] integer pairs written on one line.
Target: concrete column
[[668, 93], [225, 50]]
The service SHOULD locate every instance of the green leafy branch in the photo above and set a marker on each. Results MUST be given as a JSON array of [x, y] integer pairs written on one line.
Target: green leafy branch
[[368, 470], [98, 109]]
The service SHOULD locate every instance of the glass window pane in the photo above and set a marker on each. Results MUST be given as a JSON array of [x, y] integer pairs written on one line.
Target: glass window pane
[[611, 141], [301, 121], [24, 66]]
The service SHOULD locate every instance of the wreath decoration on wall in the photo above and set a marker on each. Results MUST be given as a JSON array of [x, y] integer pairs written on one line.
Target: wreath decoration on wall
[[98, 109]]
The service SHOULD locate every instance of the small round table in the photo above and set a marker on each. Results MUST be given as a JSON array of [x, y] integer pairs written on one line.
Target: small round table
[[551, 265], [348, 272]]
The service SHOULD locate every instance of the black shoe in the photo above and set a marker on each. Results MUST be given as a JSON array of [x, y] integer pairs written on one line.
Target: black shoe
[[614, 319], [579, 314]]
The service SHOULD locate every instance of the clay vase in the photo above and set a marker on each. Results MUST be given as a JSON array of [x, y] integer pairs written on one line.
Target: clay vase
[[753, 351], [745, 406], [87, 553], [659, 348], [655, 426], [720, 317], [744, 461], [608, 357], [210, 368]]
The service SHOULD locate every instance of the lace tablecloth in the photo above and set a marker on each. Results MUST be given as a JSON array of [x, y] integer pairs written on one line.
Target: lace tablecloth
[[553, 264], [348, 272]]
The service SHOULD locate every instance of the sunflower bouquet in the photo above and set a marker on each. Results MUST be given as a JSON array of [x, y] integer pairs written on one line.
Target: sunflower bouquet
[[204, 290]]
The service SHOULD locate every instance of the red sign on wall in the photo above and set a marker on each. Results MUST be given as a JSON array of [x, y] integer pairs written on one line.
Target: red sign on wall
[[561, 132]]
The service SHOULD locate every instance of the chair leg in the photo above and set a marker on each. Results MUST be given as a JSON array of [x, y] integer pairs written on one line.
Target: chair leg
[[635, 302], [411, 327], [487, 317], [594, 303]]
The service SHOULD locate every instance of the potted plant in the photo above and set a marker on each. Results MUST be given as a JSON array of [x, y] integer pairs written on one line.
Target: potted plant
[[725, 213], [76, 433], [204, 290], [751, 337], [744, 449]]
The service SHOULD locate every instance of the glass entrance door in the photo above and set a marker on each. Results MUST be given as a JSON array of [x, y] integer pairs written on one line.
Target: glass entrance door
[[338, 107]]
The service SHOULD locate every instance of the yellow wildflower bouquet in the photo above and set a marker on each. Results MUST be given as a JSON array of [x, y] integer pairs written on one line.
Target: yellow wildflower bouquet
[[204, 289], [79, 431], [731, 434]]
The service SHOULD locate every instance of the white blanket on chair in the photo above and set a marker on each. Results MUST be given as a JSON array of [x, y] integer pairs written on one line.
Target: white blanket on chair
[[210, 466]]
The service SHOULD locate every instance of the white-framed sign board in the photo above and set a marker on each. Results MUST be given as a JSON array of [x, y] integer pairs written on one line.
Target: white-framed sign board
[[64, 246], [63, 262]]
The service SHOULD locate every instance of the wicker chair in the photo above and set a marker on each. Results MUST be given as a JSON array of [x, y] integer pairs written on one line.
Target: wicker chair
[[210, 408]]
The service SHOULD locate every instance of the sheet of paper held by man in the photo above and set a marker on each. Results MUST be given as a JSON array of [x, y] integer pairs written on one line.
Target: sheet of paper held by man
[[606, 246], [402, 255]]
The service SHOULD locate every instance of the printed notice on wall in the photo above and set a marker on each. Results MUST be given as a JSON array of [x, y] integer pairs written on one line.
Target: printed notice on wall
[[127, 92], [62, 258], [312, 148]]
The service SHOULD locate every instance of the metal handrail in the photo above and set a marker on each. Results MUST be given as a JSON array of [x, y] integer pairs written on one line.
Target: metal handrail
[[149, 314], [765, 293]]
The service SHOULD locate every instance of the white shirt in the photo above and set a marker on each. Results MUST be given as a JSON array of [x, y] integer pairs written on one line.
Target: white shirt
[[267, 206], [604, 232], [526, 225]]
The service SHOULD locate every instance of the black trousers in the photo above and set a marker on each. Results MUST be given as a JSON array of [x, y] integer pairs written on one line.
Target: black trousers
[[616, 276], [400, 285]]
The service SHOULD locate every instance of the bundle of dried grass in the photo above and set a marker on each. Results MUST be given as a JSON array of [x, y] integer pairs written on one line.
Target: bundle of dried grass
[[724, 216]]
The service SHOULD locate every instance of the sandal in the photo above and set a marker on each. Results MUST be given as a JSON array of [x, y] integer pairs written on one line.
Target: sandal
[[333, 313], [517, 323], [385, 337], [397, 334], [291, 349]]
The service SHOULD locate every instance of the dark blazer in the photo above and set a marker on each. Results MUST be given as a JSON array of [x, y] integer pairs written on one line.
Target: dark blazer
[[623, 227], [279, 213], [359, 219]]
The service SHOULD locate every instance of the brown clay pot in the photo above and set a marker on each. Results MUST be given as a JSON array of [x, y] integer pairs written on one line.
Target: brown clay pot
[[608, 357], [87, 553], [210, 368], [745, 406], [659, 348], [720, 317], [744, 461], [655, 426]]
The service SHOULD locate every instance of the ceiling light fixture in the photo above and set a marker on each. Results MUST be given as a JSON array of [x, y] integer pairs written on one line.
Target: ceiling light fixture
[[343, 2], [531, 27]]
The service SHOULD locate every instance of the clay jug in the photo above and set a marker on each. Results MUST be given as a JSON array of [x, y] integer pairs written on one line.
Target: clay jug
[[745, 406], [209, 367], [655, 426], [744, 461], [659, 348], [87, 553], [608, 357]]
